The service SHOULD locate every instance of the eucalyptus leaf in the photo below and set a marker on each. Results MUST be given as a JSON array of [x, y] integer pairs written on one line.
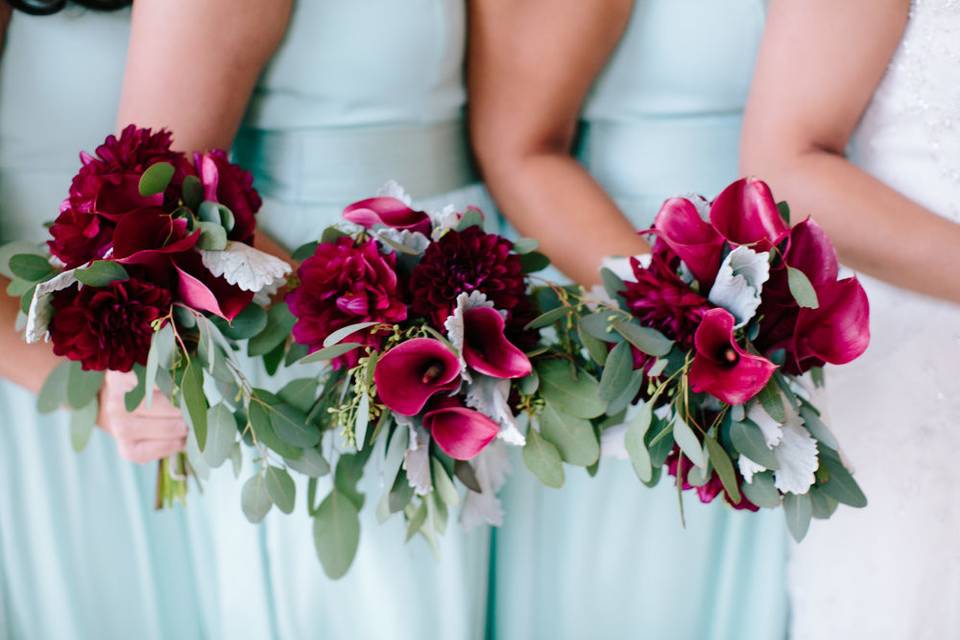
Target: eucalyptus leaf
[[30, 267], [416, 522], [348, 474], [17, 247], [259, 416], [467, 475], [343, 332], [363, 420], [82, 386], [612, 283], [817, 428], [400, 493], [255, 499], [221, 435], [305, 251], [578, 397], [53, 393], [772, 401], [156, 179], [133, 398], [100, 273], [530, 383], [599, 325], [573, 437], [195, 400], [245, 324], [331, 352], [595, 347], [617, 372], [688, 442], [82, 422], [647, 340], [300, 393], [548, 318], [281, 488], [724, 468], [629, 393], [841, 484], [801, 288], [823, 505], [749, 441], [761, 491], [534, 261], [798, 509], [524, 245], [192, 192], [279, 325], [162, 346], [633, 442], [213, 237], [311, 464], [543, 460], [444, 485]]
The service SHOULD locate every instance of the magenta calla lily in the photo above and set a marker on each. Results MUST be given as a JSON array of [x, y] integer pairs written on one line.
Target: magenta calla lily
[[144, 237], [721, 367], [414, 371], [810, 250], [389, 212], [486, 348], [460, 432], [746, 213], [679, 225], [201, 290], [120, 195], [838, 330]]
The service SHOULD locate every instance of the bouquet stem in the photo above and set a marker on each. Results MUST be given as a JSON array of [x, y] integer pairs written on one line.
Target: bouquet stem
[[171, 482]]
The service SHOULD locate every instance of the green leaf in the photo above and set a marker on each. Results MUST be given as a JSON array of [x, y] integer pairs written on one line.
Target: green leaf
[[617, 373], [530, 383], [221, 434], [311, 464], [595, 347], [578, 397], [343, 332], [133, 398], [17, 247], [823, 505], [533, 262], [748, 439], [761, 490], [255, 499], [400, 493], [724, 468], [648, 340], [633, 441], [443, 484], [82, 422], [772, 402], [841, 484], [216, 213], [101, 273], [281, 488], [472, 217], [195, 400], [548, 318], [53, 393], [348, 474], [816, 374], [574, 437], [597, 324], [19, 287], [295, 352], [304, 251], [162, 346], [82, 386], [466, 474], [612, 283], [192, 192], [291, 426], [300, 393], [213, 237], [246, 324], [524, 245], [543, 460], [336, 534], [416, 522], [156, 179], [30, 267], [329, 353], [798, 510], [260, 420], [279, 325], [817, 428], [363, 420], [784, 210], [801, 289], [688, 442]]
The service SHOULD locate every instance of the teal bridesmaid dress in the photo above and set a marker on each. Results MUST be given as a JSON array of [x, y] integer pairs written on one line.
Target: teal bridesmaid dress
[[82, 553], [359, 93], [606, 557]]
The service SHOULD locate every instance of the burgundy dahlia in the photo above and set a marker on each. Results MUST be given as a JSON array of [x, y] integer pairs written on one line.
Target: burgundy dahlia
[[661, 300], [344, 283], [464, 261], [108, 182], [107, 327], [231, 186], [79, 237]]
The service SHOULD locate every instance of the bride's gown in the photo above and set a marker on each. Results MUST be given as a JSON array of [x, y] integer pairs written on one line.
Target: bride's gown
[[892, 570]]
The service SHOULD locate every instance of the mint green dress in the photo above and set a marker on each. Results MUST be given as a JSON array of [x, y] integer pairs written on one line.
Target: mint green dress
[[606, 557], [359, 93], [82, 553]]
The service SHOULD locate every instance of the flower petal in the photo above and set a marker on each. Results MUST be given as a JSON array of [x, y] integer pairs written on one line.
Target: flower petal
[[460, 432], [679, 225], [746, 213], [389, 212], [838, 331], [486, 348], [408, 375]]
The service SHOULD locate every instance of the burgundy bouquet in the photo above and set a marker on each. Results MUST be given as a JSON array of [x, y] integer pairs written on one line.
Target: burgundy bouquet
[[714, 345], [428, 325], [149, 268]]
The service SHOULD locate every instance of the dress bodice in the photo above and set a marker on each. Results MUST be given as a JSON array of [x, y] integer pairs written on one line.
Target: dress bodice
[[909, 136], [374, 62], [664, 116], [40, 121]]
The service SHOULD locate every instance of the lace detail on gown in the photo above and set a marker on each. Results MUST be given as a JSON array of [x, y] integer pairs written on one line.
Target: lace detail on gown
[[892, 570]]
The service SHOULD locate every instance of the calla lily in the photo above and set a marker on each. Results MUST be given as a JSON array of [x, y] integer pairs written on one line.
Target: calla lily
[[410, 374], [201, 290], [679, 225], [389, 212], [810, 250], [838, 330], [487, 350], [149, 236], [746, 213], [460, 432], [721, 367]]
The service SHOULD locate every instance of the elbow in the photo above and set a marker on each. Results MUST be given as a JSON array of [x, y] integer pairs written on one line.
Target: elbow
[[502, 152]]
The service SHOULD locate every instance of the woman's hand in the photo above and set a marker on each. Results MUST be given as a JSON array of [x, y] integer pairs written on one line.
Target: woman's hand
[[145, 434]]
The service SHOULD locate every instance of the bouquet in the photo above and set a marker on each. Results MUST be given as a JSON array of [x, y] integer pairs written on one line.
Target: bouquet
[[429, 325], [739, 312], [150, 267]]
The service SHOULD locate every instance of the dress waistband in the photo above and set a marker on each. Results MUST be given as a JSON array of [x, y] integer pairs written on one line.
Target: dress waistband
[[640, 163], [340, 165]]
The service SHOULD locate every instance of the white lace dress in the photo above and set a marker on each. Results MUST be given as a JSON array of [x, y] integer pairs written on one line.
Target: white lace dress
[[892, 570]]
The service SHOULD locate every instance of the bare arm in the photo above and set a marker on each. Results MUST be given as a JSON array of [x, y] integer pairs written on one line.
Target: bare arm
[[820, 63], [531, 65]]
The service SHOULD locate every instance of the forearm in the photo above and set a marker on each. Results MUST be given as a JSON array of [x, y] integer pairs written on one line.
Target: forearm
[[875, 229], [552, 198], [27, 365]]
